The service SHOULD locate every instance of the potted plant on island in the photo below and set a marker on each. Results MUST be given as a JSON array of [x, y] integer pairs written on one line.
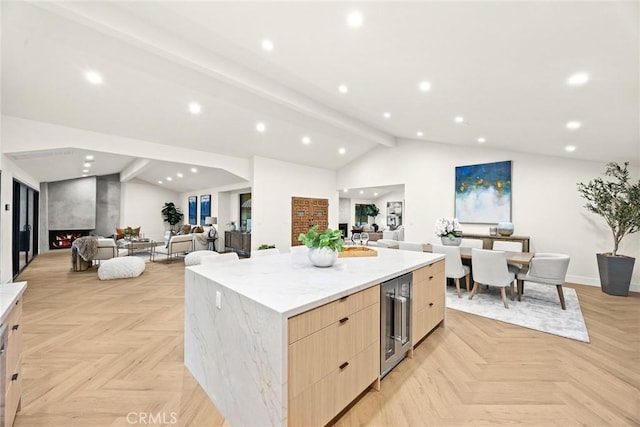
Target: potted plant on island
[[172, 215], [618, 202], [323, 247]]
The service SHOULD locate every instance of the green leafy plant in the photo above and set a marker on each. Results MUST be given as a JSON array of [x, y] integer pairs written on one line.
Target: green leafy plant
[[329, 238], [617, 201], [372, 210], [265, 246], [172, 214]]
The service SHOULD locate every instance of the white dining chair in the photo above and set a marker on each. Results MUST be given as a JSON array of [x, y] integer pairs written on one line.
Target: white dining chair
[[490, 268], [410, 246], [550, 269], [453, 268], [471, 243], [501, 245], [265, 252], [219, 259]]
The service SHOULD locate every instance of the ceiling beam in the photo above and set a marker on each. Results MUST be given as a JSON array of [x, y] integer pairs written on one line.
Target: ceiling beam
[[134, 169]]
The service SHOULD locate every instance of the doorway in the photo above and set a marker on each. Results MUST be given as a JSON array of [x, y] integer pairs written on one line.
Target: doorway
[[25, 225], [305, 213]]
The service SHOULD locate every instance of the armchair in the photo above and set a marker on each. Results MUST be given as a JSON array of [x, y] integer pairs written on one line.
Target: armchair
[[177, 245], [547, 268], [107, 249], [397, 234]]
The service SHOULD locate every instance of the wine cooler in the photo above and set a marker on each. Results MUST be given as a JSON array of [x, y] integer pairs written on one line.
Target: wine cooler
[[395, 321]]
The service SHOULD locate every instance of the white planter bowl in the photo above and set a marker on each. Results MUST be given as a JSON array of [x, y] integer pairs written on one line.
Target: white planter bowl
[[323, 257]]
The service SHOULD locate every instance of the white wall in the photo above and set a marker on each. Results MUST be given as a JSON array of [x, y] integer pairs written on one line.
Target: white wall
[[545, 202], [9, 171], [141, 204], [275, 183], [344, 211]]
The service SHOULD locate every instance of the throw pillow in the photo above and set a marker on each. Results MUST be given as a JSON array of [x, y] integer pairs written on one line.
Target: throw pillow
[[197, 229], [119, 233], [185, 229]]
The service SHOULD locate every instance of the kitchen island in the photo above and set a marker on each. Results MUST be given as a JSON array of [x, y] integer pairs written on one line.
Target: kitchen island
[[275, 341]]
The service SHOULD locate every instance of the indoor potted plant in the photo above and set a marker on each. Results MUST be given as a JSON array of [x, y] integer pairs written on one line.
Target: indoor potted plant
[[172, 215], [372, 210], [618, 202], [323, 247], [448, 229]]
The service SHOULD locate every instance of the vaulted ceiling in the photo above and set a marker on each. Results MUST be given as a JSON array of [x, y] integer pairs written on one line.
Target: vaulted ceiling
[[501, 66]]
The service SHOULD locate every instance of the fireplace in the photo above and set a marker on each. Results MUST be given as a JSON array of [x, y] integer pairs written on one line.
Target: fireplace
[[62, 239]]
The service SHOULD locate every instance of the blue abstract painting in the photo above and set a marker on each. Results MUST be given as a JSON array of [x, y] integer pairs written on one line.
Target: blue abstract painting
[[483, 193], [193, 202]]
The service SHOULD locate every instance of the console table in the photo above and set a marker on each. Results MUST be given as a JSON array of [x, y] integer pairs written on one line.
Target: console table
[[487, 240], [238, 241]]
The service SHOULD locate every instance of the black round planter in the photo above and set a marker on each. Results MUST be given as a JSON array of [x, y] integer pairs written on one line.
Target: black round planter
[[615, 273]]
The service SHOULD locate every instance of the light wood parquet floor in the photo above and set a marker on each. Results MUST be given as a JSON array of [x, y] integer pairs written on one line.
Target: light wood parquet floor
[[106, 353]]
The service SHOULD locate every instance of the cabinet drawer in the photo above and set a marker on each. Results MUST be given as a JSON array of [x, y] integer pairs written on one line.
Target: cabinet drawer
[[315, 356], [319, 403], [426, 319], [12, 397], [427, 290], [313, 320], [423, 273], [14, 341]]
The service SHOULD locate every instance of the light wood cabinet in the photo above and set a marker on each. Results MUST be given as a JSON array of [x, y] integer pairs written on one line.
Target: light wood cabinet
[[334, 355], [428, 300], [13, 378]]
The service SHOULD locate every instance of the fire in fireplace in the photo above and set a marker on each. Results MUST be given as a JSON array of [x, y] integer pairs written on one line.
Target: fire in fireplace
[[62, 239]]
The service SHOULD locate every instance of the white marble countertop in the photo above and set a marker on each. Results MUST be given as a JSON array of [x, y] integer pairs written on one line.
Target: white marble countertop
[[9, 294], [289, 284]]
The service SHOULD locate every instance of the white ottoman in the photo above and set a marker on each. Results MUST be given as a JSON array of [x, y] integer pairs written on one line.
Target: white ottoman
[[121, 268], [387, 243], [194, 258]]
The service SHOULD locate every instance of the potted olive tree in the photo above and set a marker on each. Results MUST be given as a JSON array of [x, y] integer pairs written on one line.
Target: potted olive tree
[[618, 202]]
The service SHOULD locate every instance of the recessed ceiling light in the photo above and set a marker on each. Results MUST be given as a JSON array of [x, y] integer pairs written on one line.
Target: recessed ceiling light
[[343, 89], [573, 125], [85, 170], [306, 140], [179, 175], [84, 174], [419, 133], [159, 182], [578, 79], [570, 148], [375, 194], [346, 190], [386, 115], [354, 19], [267, 45], [425, 86], [261, 127], [93, 77], [342, 150], [482, 140], [195, 108], [458, 119], [361, 191], [169, 178], [89, 157], [86, 164], [194, 170]]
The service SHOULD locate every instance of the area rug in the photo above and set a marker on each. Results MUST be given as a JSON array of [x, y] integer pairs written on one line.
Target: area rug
[[539, 309]]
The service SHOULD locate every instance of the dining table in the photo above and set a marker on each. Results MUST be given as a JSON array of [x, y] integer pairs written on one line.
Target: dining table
[[522, 258]]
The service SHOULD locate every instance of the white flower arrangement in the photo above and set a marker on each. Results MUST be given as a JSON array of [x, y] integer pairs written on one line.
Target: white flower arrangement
[[449, 227]]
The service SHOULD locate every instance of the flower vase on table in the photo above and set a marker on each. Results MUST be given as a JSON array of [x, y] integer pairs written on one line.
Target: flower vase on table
[[448, 229]]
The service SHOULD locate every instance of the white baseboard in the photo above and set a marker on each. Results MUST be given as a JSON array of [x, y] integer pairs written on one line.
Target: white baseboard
[[595, 281]]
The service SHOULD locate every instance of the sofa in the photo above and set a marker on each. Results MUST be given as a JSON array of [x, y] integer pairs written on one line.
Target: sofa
[[200, 235]]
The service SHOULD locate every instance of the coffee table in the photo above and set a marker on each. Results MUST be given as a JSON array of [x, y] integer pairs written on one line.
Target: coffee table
[[133, 245]]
